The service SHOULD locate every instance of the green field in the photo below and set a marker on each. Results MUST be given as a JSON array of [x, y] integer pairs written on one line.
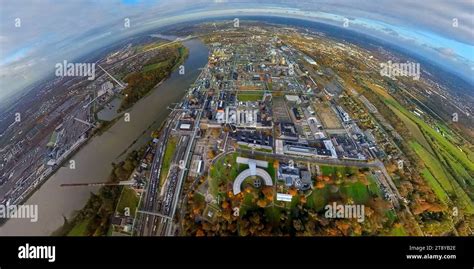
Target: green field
[[337, 171], [373, 187], [449, 185], [398, 231], [167, 158], [224, 171], [248, 203], [220, 173], [414, 130], [318, 198], [129, 198], [457, 170], [199, 198], [391, 215], [271, 170], [273, 214], [448, 133], [294, 201], [79, 229], [358, 192], [253, 96], [434, 166], [446, 182], [447, 166], [465, 158], [435, 186], [154, 66]]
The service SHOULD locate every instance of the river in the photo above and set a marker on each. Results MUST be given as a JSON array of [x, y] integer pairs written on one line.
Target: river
[[93, 161]]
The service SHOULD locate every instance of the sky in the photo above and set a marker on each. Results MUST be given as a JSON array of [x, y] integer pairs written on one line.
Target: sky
[[37, 34]]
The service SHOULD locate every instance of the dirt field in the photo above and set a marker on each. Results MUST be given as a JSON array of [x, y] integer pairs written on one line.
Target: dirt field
[[280, 113], [328, 117]]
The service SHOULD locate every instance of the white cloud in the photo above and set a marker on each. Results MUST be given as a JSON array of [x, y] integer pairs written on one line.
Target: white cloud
[[53, 30]]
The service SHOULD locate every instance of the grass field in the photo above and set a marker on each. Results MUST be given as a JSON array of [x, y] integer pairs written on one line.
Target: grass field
[[449, 185], [273, 214], [447, 165], [434, 166], [460, 171], [318, 198], [391, 215], [129, 198], [448, 133], [250, 199], [414, 130], [465, 158], [248, 203], [434, 184], [79, 229], [220, 172], [199, 198], [373, 187], [167, 158], [457, 170], [337, 171], [250, 96], [356, 191], [398, 231], [154, 66], [226, 169]]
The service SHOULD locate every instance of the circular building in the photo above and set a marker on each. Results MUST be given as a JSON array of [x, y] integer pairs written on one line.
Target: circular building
[[251, 171]]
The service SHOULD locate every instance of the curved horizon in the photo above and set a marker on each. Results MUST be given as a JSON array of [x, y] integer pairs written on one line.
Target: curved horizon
[[22, 57]]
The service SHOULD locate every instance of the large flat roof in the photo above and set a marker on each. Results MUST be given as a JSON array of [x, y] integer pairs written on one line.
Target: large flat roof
[[259, 163]]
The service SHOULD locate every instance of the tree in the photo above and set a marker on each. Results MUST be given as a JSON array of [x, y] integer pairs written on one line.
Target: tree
[[225, 204], [268, 192], [303, 199], [320, 185], [293, 191], [298, 225], [200, 233], [262, 203]]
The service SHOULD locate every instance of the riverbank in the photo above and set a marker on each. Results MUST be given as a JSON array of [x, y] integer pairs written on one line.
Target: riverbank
[[79, 224], [94, 158], [94, 218], [154, 71]]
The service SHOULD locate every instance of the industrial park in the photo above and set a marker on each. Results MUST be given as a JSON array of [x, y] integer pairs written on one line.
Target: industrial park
[[236, 132], [256, 111], [263, 137]]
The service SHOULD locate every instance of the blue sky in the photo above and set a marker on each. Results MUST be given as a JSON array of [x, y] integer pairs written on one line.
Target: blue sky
[[52, 31]]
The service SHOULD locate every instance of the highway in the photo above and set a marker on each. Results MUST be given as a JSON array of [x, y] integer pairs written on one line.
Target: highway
[[146, 222], [183, 172], [157, 212]]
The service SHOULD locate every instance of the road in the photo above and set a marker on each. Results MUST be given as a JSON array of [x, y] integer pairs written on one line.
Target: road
[[183, 172], [147, 222], [310, 159], [381, 174], [158, 210]]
